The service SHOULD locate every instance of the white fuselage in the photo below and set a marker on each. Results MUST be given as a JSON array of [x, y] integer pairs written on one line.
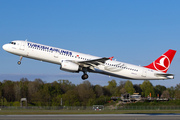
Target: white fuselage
[[56, 55]]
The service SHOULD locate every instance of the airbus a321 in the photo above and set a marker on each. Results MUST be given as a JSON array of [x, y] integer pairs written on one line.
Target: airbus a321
[[75, 62]]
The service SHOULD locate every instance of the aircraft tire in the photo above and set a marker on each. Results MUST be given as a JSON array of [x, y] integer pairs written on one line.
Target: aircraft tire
[[19, 62], [85, 76]]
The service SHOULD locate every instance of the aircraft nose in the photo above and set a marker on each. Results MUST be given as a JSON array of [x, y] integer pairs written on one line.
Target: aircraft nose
[[5, 47]]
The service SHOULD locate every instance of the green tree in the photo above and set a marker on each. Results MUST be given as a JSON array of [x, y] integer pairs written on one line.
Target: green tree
[[106, 91], [17, 91], [123, 91], [112, 87], [159, 89], [85, 92], [165, 94], [56, 101], [98, 90], [33, 89], [71, 98], [120, 88], [177, 91], [5, 102], [65, 85], [43, 96], [171, 91], [56, 90], [8, 90], [137, 88], [129, 87], [1, 90], [23, 84], [16, 103], [147, 88], [101, 100]]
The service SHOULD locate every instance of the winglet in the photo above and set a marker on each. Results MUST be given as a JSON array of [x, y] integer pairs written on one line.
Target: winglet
[[111, 58]]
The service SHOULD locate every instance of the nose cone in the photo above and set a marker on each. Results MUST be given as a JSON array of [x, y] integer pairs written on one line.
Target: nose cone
[[5, 47]]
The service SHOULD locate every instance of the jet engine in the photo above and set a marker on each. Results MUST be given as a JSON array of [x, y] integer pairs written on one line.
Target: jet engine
[[69, 66]]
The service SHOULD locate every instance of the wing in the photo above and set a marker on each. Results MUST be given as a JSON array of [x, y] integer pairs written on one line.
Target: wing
[[92, 63]]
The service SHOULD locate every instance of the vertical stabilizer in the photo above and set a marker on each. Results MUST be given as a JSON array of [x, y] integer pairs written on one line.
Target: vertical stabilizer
[[163, 62]]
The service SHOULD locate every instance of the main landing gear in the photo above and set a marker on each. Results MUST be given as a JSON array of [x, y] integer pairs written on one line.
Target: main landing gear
[[19, 62], [85, 75]]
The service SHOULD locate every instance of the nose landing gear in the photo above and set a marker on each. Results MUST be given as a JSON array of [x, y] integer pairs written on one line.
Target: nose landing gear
[[19, 62]]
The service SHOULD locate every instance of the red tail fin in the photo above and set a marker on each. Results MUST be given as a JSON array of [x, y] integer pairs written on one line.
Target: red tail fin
[[163, 62]]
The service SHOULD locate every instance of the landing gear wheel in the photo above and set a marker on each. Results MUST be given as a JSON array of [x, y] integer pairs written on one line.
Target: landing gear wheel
[[85, 76], [19, 62]]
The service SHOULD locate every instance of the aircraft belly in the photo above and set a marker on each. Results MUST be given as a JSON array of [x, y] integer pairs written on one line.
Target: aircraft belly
[[128, 75], [114, 74]]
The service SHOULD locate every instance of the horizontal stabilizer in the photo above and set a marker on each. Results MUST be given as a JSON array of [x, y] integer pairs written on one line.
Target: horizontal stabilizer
[[170, 76]]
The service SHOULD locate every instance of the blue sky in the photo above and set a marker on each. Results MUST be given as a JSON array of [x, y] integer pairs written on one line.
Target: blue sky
[[135, 32]]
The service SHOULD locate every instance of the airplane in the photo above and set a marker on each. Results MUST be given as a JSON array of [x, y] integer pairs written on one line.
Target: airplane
[[75, 62]]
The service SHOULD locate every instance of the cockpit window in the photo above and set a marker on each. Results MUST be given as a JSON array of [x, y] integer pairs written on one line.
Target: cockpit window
[[13, 43]]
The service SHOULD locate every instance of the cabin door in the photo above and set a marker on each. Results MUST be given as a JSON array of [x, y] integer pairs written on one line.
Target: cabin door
[[144, 73], [22, 46]]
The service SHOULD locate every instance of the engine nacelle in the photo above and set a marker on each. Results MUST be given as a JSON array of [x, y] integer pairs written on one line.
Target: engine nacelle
[[69, 66]]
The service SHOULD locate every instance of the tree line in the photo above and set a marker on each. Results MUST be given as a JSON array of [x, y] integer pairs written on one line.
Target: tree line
[[63, 92]]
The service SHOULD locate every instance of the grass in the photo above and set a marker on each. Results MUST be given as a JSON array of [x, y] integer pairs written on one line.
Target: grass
[[48, 112], [134, 108]]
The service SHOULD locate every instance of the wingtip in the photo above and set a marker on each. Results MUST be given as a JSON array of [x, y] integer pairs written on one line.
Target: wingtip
[[111, 58]]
